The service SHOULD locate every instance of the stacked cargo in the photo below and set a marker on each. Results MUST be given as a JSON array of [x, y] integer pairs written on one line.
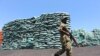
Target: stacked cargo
[[40, 32], [87, 38]]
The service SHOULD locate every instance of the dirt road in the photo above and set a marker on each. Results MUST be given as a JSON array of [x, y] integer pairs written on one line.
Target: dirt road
[[81, 51]]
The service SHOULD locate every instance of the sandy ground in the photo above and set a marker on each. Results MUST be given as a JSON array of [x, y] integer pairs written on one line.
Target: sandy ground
[[81, 51]]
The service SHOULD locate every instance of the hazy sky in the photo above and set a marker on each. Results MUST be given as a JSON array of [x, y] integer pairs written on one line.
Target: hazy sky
[[84, 14]]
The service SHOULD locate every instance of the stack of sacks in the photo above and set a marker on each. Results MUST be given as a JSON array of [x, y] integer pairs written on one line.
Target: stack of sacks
[[34, 33]]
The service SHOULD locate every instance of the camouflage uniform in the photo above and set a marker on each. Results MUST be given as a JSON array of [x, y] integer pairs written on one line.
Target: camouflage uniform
[[66, 45]]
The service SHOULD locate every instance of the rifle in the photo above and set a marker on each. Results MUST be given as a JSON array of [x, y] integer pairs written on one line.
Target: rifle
[[71, 36]]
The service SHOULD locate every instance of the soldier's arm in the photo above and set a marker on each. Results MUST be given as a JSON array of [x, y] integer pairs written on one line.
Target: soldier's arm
[[71, 36], [61, 29]]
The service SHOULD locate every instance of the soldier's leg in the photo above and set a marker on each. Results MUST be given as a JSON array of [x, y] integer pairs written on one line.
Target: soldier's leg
[[60, 52], [69, 53], [68, 49]]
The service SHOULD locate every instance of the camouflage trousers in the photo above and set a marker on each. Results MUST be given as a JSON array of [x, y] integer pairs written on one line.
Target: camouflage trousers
[[66, 46]]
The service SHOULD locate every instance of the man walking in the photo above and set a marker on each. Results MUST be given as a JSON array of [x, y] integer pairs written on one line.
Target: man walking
[[65, 39]]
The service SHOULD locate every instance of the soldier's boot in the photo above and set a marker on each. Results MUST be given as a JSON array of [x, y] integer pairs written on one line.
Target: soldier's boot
[[56, 54]]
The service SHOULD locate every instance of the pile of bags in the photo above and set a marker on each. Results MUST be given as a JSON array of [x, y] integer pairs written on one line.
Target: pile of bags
[[42, 33], [87, 38], [34, 33]]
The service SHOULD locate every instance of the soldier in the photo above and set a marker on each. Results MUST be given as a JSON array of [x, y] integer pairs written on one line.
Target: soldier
[[65, 39]]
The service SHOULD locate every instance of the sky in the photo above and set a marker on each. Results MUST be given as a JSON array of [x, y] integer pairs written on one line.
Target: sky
[[84, 14]]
